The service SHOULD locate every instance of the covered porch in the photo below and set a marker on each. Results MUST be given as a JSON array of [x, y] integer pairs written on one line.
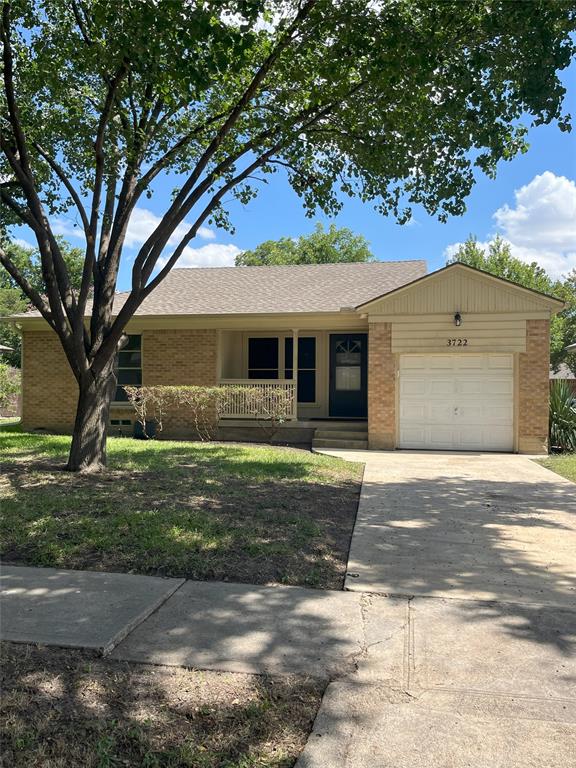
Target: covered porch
[[324, 372]]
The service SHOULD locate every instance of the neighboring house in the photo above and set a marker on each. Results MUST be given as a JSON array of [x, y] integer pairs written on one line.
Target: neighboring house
[[457, 359]]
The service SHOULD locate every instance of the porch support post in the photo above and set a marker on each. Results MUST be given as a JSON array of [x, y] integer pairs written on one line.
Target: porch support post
[[295, 370], [218, 356]]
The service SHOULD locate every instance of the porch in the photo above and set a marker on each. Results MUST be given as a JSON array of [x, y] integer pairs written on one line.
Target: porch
[[323, 374]]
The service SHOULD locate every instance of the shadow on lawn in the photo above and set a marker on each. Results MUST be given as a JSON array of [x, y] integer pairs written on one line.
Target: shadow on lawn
[[67, 708], [204, 521]]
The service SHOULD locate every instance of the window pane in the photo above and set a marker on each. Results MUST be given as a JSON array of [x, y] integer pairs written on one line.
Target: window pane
[[306, 386], [129, 376], [306, 352], [130, 359], [134, 341], [288, 373], [259, 373], [120, 396], [348, 378], [263, 353]]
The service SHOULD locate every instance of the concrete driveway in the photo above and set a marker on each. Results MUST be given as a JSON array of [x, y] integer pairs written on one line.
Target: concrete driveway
[[481, 550], [470, 526]]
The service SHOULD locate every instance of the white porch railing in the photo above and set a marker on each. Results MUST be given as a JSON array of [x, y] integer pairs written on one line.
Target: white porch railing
[[240, 404]]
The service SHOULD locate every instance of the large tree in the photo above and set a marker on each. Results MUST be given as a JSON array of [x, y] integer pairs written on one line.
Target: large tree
[[396, 102], [334, 246], [497, 259]]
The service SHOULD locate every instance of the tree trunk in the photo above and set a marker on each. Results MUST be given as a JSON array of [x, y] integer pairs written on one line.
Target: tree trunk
[[88, 449]]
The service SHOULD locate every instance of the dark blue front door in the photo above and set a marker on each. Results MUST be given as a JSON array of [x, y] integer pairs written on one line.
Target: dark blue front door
[[349, 375]]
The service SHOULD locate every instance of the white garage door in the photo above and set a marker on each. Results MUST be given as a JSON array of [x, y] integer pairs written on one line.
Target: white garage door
[[457, 402]]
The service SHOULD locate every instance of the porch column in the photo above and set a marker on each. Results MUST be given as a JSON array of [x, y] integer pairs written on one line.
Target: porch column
[[295, 369]]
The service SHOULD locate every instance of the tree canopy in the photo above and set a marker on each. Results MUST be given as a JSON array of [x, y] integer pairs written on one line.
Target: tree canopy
[[397, 102], [319, 247], [497, 259]]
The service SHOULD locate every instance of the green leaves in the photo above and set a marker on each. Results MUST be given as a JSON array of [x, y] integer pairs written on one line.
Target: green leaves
[[320, 247], [562, 416]]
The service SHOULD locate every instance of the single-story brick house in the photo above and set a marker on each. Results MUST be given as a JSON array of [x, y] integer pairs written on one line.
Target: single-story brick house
[[376, 353]]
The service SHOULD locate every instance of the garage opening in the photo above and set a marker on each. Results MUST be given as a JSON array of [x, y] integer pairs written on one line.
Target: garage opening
[[462, 402]]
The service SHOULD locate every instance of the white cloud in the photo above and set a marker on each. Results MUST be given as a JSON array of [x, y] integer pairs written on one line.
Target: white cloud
[[541, 225], [141, 225], [23, 243], [143, 222], [66, 228], [210, 255]]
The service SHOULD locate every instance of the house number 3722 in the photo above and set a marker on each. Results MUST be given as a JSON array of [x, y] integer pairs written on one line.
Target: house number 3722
[[457, 342]]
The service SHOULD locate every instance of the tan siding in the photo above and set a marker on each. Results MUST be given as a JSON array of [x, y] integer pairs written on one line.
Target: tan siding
[[426, 335], [458, 291]]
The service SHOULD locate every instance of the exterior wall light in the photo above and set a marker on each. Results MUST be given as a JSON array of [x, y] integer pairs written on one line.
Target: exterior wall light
[[457, 319]]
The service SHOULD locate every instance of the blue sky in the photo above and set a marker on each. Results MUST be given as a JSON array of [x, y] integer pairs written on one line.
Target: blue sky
[[532, 203]]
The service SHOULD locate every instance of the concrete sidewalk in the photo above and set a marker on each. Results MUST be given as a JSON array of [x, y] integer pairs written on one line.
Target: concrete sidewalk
[[208, 625], [76, 609]]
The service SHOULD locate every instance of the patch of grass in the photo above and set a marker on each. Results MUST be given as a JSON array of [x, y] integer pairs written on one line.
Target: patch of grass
[[247, 513], [65, 709], [563, 464]]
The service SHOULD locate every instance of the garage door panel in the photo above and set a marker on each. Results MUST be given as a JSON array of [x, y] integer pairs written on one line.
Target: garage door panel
[[469, 362], [440, 413], [414, 436], [441, 387], [484, 385], [413, 413], [457, 402], [413, 387], [441, 362], [502, 362]]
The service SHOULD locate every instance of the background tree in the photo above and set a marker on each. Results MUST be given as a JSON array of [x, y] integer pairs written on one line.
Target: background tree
[[13, 299], [396, 102], [320, 247], [497, 259]]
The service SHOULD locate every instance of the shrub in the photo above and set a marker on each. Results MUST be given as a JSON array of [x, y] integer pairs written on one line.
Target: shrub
[[562, 417], [9, 385], [206, 405]]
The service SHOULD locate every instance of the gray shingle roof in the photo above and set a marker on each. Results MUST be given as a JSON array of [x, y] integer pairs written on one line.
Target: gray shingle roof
[[271, 290], [282, 289]]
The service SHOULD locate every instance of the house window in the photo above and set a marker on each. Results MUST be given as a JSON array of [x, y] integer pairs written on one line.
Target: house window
[[128, 367], [306, 366], [263, 358]]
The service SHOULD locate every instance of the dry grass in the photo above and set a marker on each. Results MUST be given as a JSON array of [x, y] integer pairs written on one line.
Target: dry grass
[[66, 709]]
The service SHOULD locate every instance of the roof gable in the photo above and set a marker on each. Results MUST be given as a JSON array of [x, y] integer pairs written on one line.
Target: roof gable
[[460, 288]]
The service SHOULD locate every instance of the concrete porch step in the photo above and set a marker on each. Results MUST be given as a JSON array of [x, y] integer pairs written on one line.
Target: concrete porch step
[[341, 434], [343, 443]]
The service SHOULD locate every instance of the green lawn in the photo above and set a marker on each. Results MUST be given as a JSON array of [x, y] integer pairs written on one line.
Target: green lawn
[[564, 465], [200, 510]]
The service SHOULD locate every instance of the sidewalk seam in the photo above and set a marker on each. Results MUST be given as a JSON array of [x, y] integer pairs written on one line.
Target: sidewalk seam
[[126, 630]]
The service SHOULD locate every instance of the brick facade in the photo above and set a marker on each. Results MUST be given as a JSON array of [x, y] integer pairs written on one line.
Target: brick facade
[[186, 356], [179, 357], [50, 392], [534, 388], [49, 389], [381, 388]]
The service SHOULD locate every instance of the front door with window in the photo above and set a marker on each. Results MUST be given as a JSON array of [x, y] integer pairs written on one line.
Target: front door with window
[[349, 375]]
